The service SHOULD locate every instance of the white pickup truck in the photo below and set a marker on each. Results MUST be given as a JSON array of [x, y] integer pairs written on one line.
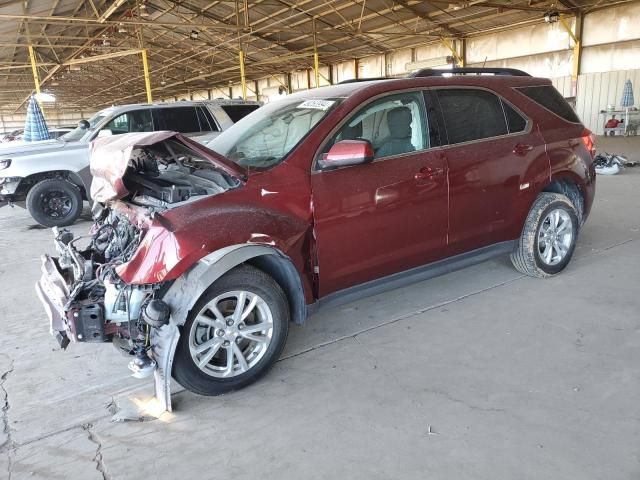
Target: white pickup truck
[[52, 178]]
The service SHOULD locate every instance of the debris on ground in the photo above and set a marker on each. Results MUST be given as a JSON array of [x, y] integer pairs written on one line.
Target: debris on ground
[[612, 163]]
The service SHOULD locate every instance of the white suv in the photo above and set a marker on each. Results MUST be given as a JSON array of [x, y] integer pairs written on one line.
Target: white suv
[[52, 178]]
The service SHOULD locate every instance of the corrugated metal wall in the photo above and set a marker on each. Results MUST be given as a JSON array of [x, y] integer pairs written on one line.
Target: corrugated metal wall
[[598, 90]]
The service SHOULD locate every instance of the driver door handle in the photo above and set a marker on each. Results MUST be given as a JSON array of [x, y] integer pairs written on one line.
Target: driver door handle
[[429, 173], [522, 149]]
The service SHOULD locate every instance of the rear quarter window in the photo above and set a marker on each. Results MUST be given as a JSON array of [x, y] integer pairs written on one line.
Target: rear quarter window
[[551, 99], [238, 112]]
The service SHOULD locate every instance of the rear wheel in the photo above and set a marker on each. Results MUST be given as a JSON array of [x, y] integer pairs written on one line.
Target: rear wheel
[[234, 334], [548, 238], [54, 202]]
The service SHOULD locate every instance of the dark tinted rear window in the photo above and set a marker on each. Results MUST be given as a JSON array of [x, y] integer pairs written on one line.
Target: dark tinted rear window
[[515, 121], [550, 98], [237, 112], [178, 119], [471, 114]]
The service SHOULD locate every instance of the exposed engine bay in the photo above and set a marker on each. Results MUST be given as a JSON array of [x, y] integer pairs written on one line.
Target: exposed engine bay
[[168, 173]]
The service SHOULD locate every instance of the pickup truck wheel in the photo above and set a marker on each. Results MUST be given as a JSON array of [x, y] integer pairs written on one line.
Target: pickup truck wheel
[[54, 202], [548, 238], [234, 334]]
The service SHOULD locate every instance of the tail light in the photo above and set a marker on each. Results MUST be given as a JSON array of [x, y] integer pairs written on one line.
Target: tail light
[[589, 142]]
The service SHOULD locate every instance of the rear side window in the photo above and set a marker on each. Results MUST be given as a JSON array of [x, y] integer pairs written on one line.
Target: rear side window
[[515, 121], [207, 124], [238, 112], [551, 99], [178, 119], [471, 114]]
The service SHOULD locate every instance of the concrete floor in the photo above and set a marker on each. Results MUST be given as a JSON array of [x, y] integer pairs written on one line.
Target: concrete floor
[[480, 374]]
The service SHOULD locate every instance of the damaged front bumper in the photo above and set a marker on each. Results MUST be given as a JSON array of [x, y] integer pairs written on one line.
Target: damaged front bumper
[[111, 312]]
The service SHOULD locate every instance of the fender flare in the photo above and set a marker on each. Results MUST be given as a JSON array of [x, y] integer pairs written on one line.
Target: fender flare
[[185, 291]]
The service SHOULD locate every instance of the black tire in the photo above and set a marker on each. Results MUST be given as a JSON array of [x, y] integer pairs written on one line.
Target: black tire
[[54, 202], [526, 256], [249, 279]]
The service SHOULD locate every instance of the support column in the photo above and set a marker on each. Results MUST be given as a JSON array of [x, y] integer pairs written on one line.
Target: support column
[[147, 81], [289, 83], [241, 53], [243, 79], [34, 68], [36, 78], [451, 46], [577, 48], [316, 62]]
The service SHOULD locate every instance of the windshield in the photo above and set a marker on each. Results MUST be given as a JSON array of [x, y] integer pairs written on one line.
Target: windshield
[[77, 133], [265, 137]]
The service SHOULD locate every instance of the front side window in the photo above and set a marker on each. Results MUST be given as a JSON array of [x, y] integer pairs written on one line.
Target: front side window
[[135, 121], [265, 137], [471, 114], [78, 133], [394, 125]]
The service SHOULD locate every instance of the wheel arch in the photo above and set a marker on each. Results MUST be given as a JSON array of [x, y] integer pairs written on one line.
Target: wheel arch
[[569, 185], [185, 291], [73, 177]]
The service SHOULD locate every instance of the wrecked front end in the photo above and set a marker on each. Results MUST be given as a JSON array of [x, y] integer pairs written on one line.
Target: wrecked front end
[[87, 302], [82, 289]]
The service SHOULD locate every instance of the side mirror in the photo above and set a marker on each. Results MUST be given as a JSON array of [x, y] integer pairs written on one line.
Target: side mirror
[[347, 152], [105, 132], [84, 125]]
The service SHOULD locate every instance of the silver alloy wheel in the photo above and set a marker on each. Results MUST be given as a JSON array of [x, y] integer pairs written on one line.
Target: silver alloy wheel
[[231, 334], [555, 236]]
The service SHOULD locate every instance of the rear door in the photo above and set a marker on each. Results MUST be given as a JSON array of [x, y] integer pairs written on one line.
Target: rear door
[[492, 151], [383, 217], [189, 120]]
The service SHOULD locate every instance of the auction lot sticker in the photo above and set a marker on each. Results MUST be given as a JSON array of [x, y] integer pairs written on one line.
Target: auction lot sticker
[[316, 104]]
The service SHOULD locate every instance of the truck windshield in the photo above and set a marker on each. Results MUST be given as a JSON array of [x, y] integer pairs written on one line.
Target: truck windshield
[[265, 137], [77, 133]]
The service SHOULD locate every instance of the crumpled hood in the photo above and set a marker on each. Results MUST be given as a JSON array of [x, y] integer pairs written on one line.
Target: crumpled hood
[[110, 157]]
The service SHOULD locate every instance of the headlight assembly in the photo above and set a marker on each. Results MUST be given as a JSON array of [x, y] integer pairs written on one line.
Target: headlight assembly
[[4, 163]]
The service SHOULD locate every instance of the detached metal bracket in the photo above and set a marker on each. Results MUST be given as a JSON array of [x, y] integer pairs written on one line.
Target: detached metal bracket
[[164, 341]]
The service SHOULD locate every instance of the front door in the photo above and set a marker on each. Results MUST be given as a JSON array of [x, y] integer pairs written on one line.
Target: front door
[[383, 217]]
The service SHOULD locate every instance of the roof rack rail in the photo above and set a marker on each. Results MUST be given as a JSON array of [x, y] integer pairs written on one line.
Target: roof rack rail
[[433, 72], [354, 80]]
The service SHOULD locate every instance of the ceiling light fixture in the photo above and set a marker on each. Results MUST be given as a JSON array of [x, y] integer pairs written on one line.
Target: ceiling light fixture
[[551, 16], [194, 35]]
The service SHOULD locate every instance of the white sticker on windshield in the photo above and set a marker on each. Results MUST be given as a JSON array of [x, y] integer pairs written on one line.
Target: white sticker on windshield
[[316, 104]]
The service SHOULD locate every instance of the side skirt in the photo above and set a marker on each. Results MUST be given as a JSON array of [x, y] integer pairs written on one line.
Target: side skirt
[[414, 275]]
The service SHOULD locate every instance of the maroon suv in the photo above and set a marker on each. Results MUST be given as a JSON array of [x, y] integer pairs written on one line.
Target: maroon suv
[[199, 259]]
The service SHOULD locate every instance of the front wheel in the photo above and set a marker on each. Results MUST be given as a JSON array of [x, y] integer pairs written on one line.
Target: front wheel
[[54, 202], [234, 334], [548, 238]]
